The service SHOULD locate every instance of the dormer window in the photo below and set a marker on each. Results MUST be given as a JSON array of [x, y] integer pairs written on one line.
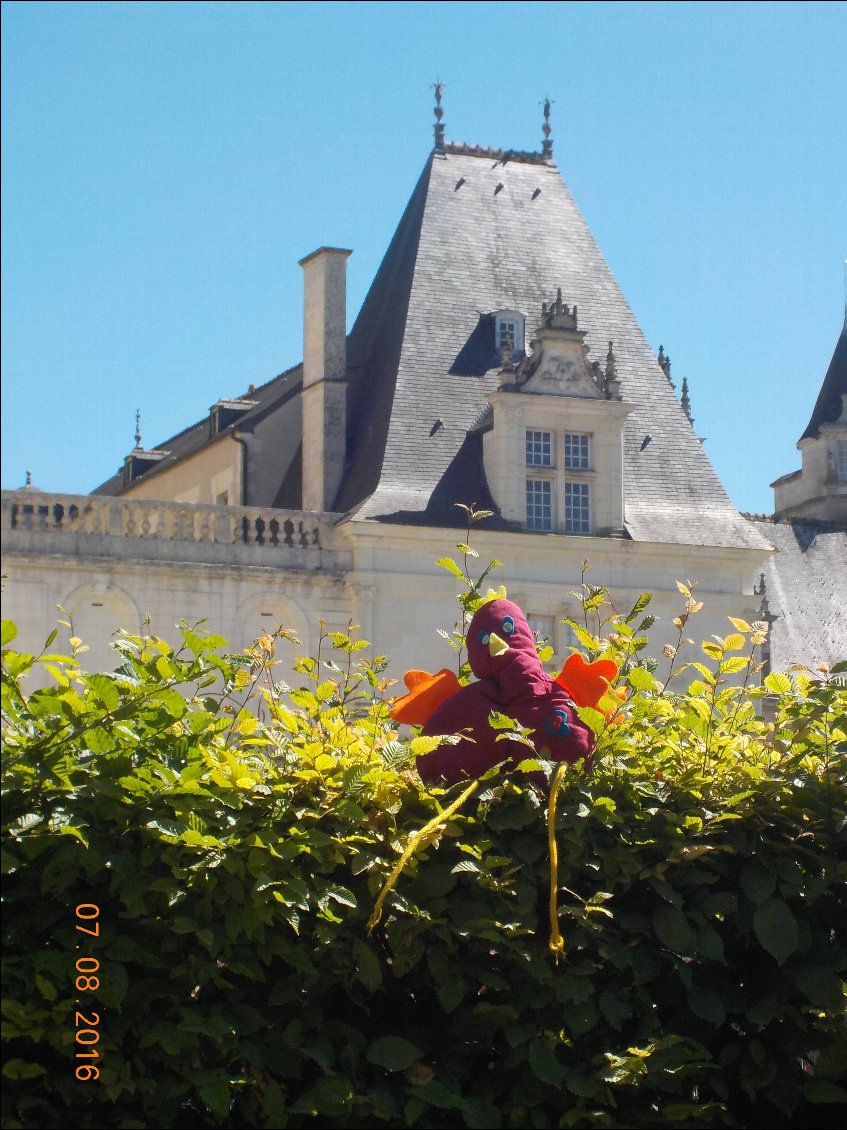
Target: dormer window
[[509, 328], [553, 453], [559, 501], [506, 332], [227, 411], [138, 462]]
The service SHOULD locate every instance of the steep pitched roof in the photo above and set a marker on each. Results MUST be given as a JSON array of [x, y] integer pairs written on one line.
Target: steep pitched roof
[[828, 404], [806, 589], [485, 233]]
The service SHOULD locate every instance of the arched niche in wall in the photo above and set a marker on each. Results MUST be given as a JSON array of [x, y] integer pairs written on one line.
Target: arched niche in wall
[[259, 615], [96, 613]]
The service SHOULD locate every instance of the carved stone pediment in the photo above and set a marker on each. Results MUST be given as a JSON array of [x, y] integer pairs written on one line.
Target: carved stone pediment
[[562, 372]]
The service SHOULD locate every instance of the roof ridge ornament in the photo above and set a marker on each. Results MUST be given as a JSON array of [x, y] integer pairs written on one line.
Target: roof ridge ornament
[[665, 365], [611, 362], [612, 382], [507, 362], [558, 315], [438, 86], [547, 144], [138, 429]]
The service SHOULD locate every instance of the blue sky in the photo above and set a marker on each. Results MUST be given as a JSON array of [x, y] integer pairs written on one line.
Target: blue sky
[[165, 165]]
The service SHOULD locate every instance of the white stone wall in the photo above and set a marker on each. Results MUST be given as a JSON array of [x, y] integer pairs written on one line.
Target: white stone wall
[[403, 598], [103, 596], [382, 577]]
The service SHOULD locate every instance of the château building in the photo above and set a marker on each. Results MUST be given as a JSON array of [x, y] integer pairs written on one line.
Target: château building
[[804, 584], [494, 362]]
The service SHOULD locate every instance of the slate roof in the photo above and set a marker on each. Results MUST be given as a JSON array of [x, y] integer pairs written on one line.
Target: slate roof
[[464, 249], [806, 589], [828, 404]]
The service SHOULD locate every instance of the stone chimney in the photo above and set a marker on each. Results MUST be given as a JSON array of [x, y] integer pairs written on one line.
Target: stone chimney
[[324, 370]]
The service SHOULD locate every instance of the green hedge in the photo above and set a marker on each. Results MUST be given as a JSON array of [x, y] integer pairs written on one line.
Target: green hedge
[[235, 861]]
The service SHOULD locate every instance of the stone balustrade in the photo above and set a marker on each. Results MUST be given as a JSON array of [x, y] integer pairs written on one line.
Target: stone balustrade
[[104, 525]]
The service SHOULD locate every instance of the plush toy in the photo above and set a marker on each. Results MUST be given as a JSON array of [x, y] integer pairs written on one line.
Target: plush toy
[[511, 681]]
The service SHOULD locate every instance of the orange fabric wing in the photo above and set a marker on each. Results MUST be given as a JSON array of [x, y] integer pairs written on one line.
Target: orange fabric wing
[[426, 694], [587, 682]]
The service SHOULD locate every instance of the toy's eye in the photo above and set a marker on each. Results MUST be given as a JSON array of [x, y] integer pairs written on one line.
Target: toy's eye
[[508, 625], [484, 638]]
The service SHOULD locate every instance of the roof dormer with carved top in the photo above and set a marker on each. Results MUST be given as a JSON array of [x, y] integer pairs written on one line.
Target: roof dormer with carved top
[[553, 454]]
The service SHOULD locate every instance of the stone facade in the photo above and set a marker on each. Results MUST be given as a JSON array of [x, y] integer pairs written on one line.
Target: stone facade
[[819, 489], [121, 562]]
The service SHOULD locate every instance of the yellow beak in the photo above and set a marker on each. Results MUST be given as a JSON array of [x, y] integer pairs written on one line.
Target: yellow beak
[[496, 646]]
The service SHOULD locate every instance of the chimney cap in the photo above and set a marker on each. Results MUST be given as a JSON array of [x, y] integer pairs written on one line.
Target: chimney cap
[[325, 251]]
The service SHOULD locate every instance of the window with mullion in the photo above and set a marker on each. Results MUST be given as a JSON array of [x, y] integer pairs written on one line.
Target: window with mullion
[[577, 452], [539, 505], [507, 332], [510, 328], [577, 508], [539, 449]]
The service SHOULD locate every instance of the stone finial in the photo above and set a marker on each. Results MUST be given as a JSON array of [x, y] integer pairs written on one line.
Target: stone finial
[[612, 380], [506, 364], [766, 622], [764, 607], [439, 114], [665, 365], [28, 482], [611, 362], [137, 429], [558, 315], [685, 401], [546, 144]]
